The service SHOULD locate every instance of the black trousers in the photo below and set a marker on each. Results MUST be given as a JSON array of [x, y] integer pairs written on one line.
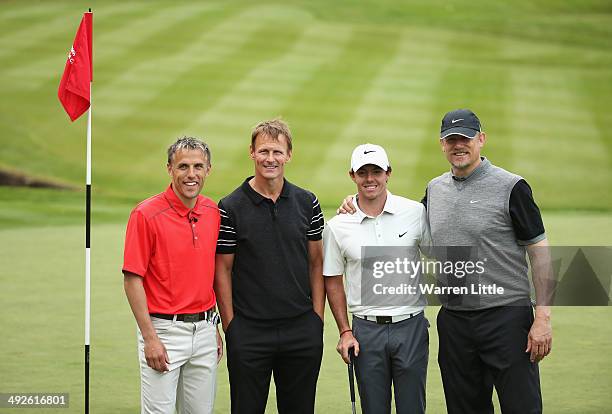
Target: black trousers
[[486, 348], [291, 349]]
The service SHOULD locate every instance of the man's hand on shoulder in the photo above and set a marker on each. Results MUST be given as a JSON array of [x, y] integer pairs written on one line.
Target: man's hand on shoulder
[[347, 206]]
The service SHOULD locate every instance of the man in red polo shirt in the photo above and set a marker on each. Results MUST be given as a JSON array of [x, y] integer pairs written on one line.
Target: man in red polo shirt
[[168, 276]]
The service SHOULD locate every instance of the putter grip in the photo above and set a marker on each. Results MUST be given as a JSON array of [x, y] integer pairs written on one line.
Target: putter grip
[[351, 375]]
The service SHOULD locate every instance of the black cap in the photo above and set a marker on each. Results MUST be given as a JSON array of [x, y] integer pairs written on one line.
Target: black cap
[[461, 122]]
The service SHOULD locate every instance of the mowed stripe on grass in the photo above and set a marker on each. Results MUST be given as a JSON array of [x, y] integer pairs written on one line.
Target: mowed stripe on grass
[[467, 80], [40, 39], [265, 89], [142, 82], [261, 94], [177, 104], [373, 120], [214, 70], [573, 163]]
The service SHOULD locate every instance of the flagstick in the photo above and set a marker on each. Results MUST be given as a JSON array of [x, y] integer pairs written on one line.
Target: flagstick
[[87, 251]]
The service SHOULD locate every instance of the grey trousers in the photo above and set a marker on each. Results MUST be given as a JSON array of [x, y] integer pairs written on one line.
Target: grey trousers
[[395, 354]]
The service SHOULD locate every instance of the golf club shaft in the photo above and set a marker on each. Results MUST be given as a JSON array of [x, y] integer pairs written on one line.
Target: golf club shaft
[[351, 379]]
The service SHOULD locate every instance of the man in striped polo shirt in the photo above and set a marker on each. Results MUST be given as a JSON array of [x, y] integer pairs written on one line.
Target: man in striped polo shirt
[[269, 282]]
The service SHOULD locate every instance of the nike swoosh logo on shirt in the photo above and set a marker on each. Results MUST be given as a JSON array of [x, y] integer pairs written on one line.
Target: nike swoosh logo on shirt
[[474, 201], [402, 235]]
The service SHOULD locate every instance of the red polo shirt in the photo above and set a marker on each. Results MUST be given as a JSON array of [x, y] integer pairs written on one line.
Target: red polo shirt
[[173, 249]]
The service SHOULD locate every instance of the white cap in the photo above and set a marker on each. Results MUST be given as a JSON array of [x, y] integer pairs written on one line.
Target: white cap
[[369, 154]]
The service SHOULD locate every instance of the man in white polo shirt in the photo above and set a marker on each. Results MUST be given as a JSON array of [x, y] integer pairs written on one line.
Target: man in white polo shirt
[[389, 335]]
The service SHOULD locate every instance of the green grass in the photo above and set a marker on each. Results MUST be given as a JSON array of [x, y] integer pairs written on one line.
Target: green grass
[[42, 293], [341, 73]]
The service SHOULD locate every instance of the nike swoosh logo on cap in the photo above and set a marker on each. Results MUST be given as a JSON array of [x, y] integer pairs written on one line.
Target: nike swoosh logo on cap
[[402, 235], [367, 152], [456, 120]]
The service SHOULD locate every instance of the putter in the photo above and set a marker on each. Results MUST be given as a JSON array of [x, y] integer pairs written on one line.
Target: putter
[[351, 379]]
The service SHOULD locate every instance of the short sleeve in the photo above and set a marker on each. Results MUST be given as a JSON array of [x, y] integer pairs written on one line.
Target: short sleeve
[[316, 222], [525, 215], [139, 244], [333, 262], [226, 244]]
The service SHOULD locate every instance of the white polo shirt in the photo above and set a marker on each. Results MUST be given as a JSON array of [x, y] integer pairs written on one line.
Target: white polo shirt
[[403, 222]]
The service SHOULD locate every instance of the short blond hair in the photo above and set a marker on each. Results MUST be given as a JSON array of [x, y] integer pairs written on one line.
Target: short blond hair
[[272, 129]]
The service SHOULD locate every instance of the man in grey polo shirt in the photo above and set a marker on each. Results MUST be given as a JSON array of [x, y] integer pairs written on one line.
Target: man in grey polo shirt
[[489, 340], [390, 338]]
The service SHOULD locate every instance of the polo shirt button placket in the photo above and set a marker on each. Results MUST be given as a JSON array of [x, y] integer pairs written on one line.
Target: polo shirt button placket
[[194, 234]]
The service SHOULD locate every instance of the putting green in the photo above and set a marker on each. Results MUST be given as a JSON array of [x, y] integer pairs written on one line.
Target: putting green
[[340, 73], [42, 289]]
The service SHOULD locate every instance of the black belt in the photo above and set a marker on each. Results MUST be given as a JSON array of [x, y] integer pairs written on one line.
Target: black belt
[[187, 317]]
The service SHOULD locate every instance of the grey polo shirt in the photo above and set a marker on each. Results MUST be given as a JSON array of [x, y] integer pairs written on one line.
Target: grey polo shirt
[[492, 212], [403, 222]]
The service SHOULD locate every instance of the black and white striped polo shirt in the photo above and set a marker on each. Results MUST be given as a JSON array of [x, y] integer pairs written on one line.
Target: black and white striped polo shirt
[[270, 276]]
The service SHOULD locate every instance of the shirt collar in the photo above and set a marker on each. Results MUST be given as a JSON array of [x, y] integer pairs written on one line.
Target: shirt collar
[[390, 204], [389, 207], [178, 205], [257, 198], [482, 167]]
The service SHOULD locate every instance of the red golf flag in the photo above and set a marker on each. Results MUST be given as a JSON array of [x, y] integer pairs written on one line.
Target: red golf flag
[[74, 88]]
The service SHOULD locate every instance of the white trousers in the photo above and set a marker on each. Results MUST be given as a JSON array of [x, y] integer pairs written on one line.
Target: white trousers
[[190, 383]]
